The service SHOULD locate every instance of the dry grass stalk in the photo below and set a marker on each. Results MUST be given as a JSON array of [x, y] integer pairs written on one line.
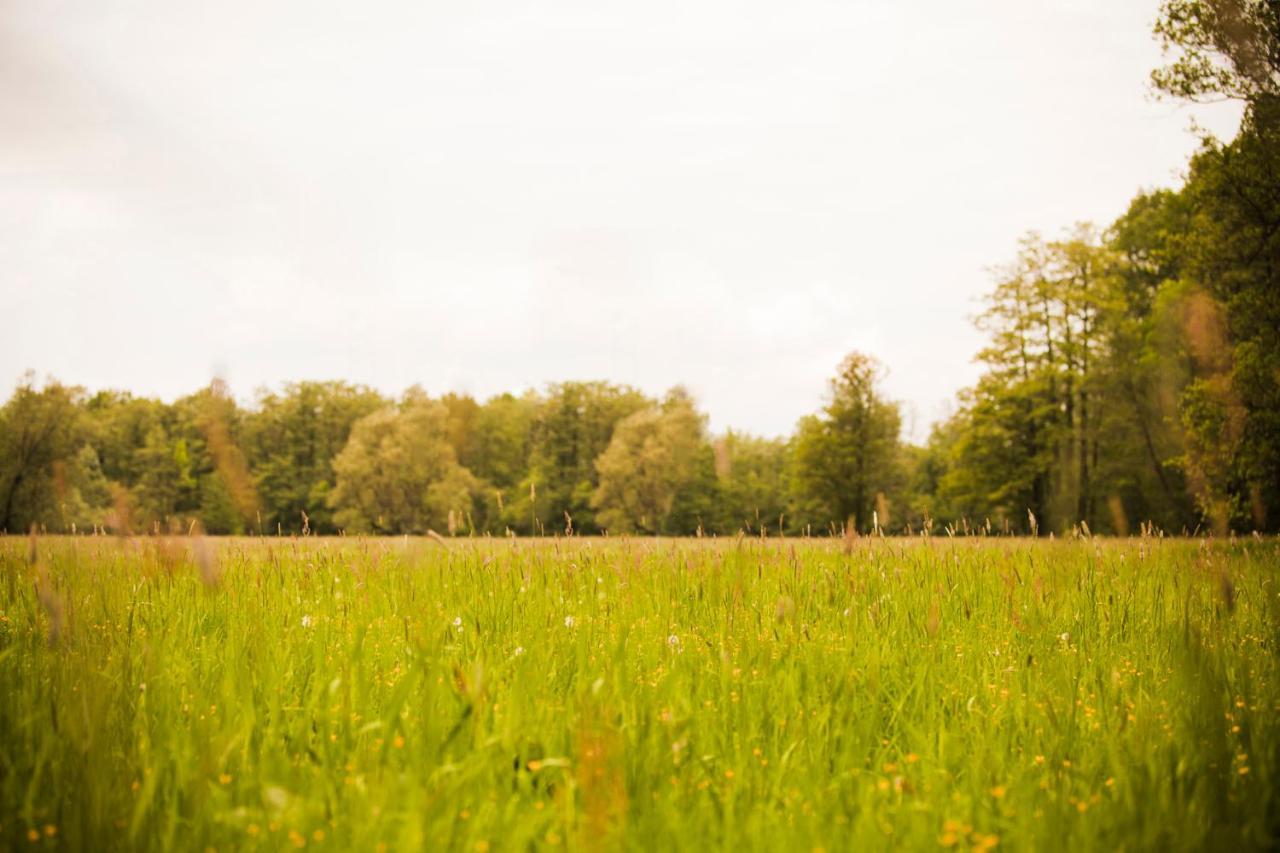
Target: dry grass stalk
[[206, 561]]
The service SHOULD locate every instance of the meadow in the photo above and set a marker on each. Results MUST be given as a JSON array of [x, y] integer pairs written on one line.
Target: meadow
[[488, 694]]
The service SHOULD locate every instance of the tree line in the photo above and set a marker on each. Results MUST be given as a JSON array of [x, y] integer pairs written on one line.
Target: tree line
[[328, 457], [1131, 377]]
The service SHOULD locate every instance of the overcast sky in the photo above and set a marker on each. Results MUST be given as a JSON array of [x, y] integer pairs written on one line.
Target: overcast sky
[[489, 196]]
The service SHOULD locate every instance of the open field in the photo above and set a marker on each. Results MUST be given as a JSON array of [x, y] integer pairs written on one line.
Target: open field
[[777, 694]]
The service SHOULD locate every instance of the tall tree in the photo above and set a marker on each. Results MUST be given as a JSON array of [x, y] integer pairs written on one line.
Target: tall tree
[[399, 474], [39, 434], [291, 441], [848, 456], [654, 458], [754, 483], [573, 426], [1219, 48]]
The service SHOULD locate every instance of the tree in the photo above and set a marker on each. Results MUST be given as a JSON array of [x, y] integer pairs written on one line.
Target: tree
[[654, 460], [753, 475], [291, 441], [39, 432], [1231, 407], [1143, 366], [398, 472], [573, 426], [847, 457], [1221, 48]]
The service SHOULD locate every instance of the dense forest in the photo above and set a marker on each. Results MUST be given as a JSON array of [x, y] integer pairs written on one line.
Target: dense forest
[[1131, 377]]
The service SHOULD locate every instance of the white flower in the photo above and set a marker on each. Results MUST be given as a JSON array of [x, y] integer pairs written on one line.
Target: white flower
[[519, 651], [568, 621], [1065, 637], [457, 622], [306, 621], [673, 641]]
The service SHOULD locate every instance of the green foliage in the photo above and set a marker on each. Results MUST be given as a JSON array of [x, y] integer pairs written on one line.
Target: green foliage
[[38, 432], [753, 477], [848, 455], [1221, 48], [655, 458], [398, 472], [1233, 258], [573, 426], [1132, 376], [291, 441]]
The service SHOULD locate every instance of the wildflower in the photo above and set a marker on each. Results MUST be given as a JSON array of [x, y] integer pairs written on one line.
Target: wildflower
[[457, 623], [568, 621], [519, 651], [673, 641], [224, 778], [306, 621], [998, 791]]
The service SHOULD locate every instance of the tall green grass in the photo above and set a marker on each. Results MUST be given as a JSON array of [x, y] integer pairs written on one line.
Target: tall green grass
[[594, 694]]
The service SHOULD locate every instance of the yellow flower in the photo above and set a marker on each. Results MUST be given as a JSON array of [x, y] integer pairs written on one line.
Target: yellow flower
[[998, 791]]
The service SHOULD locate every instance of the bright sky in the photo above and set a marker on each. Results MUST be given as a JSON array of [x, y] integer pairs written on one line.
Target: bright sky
[[490, 196]]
